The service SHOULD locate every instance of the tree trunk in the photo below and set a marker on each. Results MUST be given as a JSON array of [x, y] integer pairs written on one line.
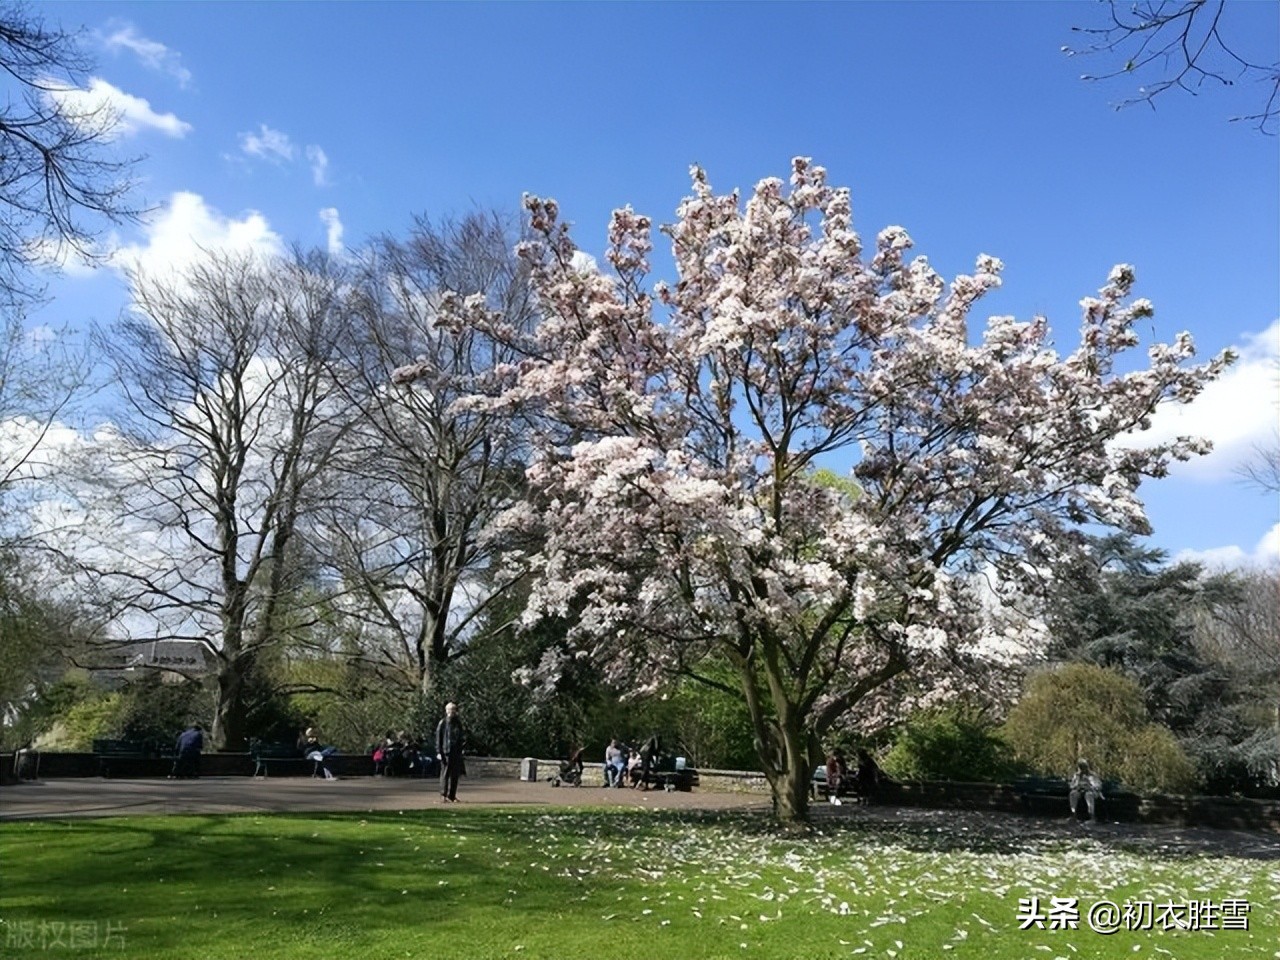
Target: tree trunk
[[230, 720], [791, 792]]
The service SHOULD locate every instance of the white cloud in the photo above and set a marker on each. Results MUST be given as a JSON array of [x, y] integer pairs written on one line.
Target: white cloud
[[1237, 412], [186, 228], [333, 227], [319, 165], [152, 53], [62, 257], [108, 110], [1266, 554], [268, 144]]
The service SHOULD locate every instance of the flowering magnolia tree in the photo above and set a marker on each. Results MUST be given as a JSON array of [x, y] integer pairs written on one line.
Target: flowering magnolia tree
[[681, 432]]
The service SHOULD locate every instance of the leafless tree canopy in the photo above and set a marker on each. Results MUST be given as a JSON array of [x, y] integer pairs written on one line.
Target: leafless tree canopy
[[59, 178], [1262, 468], [192, 509], [1183, 45], [430, 477]]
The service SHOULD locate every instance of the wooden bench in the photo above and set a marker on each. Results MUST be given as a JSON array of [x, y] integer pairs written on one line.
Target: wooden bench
[[108, 752], [265, 755], [665, 775]]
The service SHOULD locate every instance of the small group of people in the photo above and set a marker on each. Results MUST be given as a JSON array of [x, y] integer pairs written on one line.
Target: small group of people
[[397, 754], [864, 781], [626, 766]]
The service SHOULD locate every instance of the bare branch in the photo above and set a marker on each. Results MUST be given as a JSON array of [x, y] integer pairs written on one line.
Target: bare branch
[[1181, 43]]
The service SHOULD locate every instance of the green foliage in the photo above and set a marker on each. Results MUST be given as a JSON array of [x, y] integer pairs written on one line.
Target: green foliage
[[1080, 710], [712, 726], [74, 713], [1155, 761], [158, 708], [35, 638], [86, 720], [951, 743]]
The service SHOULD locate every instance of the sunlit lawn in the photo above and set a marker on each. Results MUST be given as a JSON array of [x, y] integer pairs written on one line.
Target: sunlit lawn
[[591, 884]]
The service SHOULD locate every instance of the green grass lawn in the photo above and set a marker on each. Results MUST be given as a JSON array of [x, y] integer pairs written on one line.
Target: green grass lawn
[[485, 882]]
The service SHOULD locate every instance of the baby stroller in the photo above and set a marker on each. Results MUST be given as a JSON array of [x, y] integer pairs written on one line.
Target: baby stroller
[[570, 771]]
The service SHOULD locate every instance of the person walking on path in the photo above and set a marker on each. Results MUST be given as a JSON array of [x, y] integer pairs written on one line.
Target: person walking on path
[[449, 742]]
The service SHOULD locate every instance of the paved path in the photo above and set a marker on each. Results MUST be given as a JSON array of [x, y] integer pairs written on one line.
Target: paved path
[[935, 829], [95, 797]]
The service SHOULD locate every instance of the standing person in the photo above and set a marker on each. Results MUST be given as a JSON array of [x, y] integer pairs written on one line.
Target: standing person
[[449, 742], [869, 777], [837, 771], [648, 760], [190, 743]]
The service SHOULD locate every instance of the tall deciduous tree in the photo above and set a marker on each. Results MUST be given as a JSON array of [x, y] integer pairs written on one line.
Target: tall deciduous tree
[[197, 494], [674, 476], [431, 475]]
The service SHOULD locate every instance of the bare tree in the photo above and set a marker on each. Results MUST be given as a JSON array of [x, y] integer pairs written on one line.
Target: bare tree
[[58, 178], [42, 375], [1182, 43], [1241, 634], [1262, 468], [432, 474], [196, 501]]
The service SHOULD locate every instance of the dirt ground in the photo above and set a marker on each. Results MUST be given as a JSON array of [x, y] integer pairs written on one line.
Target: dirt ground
[[95, 797]]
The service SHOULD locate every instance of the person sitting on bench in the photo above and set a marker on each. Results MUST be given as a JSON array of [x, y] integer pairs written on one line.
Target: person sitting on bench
[[310, 746], [1085, 783]]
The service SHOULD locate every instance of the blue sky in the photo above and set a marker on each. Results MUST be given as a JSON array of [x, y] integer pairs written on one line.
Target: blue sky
[[964, 122]]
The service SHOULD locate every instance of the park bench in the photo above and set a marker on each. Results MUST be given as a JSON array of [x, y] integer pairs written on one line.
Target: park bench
[[110, 752], [670, 780], [266, 755], [1051, 794], [670, 775]]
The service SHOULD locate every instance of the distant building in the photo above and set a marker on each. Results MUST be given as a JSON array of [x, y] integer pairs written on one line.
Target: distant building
[[174, 659]]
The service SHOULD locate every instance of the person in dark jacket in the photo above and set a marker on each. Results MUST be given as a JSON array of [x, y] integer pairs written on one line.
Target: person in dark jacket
[[190, 743], [450, 739]]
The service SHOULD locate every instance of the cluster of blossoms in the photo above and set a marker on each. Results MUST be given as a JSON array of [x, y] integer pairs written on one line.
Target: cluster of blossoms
[[681, 435]]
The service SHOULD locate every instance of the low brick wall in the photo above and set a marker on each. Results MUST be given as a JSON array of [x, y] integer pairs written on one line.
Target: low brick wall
[[733, 781]]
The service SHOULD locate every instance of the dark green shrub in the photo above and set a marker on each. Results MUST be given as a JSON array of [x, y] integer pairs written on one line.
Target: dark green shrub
[[950, 743]]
